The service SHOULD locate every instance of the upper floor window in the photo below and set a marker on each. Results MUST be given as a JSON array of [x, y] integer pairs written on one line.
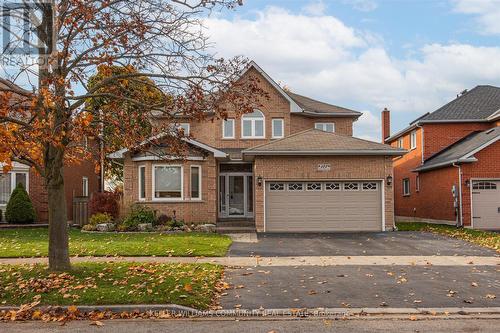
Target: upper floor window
[[252, 125], [413, 140], [406, 186], [327, 127], [400, 142], [228, 129], [85, 187], [278, 128]]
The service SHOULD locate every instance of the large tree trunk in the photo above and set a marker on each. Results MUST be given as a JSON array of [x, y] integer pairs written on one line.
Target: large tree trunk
[[58, 221]]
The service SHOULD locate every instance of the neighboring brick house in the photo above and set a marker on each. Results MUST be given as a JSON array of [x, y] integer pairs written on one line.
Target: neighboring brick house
[[290, 166], [451, 173]]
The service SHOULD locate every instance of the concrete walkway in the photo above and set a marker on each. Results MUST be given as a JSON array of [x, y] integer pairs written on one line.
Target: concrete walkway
[[291, 261]]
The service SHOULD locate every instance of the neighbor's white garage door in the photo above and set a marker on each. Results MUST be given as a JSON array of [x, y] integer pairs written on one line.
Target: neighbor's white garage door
[[323, 206], [486, 204]]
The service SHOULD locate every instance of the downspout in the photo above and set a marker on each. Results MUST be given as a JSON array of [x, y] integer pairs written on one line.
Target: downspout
[[460, 218]]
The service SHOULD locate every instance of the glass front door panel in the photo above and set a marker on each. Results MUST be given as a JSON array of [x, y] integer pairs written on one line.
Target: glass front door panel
[[236, 195], [222, 198]]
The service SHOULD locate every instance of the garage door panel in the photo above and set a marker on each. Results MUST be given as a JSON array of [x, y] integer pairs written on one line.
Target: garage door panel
[[486, 204], [323, 211]]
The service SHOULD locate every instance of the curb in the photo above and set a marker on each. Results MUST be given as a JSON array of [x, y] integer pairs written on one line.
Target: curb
[[184, 311]]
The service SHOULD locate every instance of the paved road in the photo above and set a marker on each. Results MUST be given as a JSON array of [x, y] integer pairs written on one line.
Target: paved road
[[402, 243], [254, 326], [362, 286]]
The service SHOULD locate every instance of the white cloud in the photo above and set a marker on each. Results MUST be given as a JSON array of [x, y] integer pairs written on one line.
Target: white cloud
[[316, 8], [321, 57], [487, 14]]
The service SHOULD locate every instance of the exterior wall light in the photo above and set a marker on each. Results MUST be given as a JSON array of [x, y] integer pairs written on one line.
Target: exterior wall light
[[259, 180], [389, 180]]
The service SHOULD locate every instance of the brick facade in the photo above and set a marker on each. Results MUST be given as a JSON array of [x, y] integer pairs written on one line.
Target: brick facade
[[433, 201], [305, 168]]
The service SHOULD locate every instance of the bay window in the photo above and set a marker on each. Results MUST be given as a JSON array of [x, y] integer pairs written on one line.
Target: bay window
[[195, 182], [142, 182], [252, 125], [167, 182]]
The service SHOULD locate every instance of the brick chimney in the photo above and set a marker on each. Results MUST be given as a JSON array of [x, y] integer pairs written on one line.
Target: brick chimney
[[386, 124]]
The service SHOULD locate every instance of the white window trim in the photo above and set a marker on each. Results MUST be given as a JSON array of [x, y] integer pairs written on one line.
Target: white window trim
[[13, 184], [404, 190], [253, 120], [316, 190], [323, 125], [338, 189], [282, 121], [369, 189], [85, 186], [351, 190], [224, 136], [154, 166], [139, 182], [199, 182], [400, 142], [413, 139]]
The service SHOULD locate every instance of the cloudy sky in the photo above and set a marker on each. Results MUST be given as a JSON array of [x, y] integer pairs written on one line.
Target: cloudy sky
[[411, 56]]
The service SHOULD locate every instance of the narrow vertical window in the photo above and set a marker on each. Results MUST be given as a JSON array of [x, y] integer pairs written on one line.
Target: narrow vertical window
[[195, 182], [406, 186], [278, 130], [413, 140], [142, 182], [85, 186], [228, 129]]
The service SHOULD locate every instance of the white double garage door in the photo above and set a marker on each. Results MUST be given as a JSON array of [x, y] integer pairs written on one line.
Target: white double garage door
[[323, 206]]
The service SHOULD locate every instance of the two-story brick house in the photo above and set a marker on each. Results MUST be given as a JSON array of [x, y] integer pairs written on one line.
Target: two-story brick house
[[290, 166], [451, 173]]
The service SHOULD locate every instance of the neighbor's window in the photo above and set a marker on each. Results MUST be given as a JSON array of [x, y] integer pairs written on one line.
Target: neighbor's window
[[228, 129], [142, 182], [252, 125], [186, 127], [413, 140], [195, 182], [5, 188], [327, 127], [278, 128], [85, 186], [406, 186], [167, 182], [400, 142]]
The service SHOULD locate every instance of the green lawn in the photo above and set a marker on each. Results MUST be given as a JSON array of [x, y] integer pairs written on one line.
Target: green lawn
[[33, 243], [191, 285], [484, 238]]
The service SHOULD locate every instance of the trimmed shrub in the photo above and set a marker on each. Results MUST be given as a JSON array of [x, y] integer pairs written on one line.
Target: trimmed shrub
[[105, 202], [99, 218], [163, 219], [175, 224], [19, 208], [138, 214]]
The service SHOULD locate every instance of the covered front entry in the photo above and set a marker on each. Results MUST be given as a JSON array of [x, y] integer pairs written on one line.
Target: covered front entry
[[486, 204], [323, 206], [236, 191]]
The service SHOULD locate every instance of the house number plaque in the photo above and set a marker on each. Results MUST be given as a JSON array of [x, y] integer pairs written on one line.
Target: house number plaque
[[324, 167]]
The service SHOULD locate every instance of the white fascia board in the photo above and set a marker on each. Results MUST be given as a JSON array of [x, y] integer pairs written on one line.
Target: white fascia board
[[216, 152], [492, 141], [328, 152], [447, 163]]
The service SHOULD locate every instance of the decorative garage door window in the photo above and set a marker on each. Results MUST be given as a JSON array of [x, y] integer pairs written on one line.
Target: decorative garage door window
[[314, 186], [277, 187], [484, 186], [295, 187], [369, 186], [332, 186], [351, 186]]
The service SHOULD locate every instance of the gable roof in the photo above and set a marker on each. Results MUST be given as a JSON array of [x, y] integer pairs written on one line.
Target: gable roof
[[463, 150], [301, 104], [316, 142], [480, 104], [312, 106], [120, 154]]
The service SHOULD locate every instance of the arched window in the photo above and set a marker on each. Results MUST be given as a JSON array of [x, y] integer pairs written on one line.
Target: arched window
[[253, 125]]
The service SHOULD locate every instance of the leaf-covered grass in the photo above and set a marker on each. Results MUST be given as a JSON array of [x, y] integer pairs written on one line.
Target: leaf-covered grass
[[191, 285], [34, 243], [484, 238]]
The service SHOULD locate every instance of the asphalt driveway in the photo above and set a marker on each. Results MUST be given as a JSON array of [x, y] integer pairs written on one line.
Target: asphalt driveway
[[401, 243]]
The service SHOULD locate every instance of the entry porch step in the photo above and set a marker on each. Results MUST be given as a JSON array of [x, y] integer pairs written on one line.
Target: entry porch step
[[236, 223], [234, 230]]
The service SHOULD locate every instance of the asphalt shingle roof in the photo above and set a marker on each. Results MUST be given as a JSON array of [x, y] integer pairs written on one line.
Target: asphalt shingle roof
[[316, 141], [460, 149], [312, 105], [477, 104]]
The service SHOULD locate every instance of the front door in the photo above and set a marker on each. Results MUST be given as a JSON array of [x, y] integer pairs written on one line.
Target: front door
[[235, 195]]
